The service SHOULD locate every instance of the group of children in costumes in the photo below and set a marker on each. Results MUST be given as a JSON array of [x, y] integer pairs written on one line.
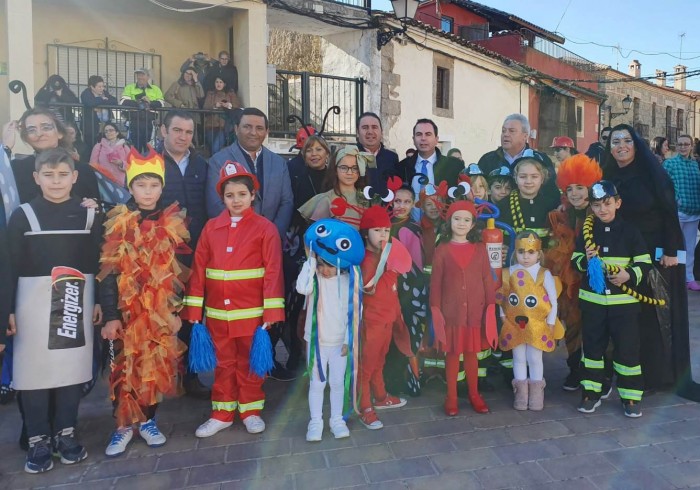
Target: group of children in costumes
[[352, 284]]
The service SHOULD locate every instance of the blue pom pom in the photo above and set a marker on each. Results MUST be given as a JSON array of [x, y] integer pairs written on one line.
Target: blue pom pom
[[596, 275], [261, 362], [202, 357]]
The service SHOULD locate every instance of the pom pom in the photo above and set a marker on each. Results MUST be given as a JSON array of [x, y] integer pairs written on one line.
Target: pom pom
[[202, 357], [596, 274], [261, 362]]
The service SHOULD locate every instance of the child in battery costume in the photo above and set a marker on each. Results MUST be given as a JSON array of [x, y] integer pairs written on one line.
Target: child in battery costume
[[576, 174], [141, 286], [384, 260], [331, 281], [613, 254], [461, 289], [238, 270], [529, 315], [54, 246]]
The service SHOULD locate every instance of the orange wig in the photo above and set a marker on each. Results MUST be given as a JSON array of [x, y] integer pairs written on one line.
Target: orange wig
[[578, 169]]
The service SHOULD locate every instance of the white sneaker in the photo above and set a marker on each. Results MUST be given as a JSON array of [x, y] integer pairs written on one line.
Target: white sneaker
[[120, 439], [314, 432], [254, 424], [211, 427], [339, 429], [151, 434]]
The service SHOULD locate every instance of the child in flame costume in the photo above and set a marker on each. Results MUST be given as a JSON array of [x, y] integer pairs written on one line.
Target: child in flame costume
[[530, 324], [142, 283], [238, 269]]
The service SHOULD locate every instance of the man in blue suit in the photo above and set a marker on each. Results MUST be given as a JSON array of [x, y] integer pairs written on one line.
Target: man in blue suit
[[274, 200]]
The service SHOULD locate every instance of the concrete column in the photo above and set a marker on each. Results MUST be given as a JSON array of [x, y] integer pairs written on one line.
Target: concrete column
[[250, 52], [20, 52]]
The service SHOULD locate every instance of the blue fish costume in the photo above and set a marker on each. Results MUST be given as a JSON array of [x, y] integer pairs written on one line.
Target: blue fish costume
[[342, 246]]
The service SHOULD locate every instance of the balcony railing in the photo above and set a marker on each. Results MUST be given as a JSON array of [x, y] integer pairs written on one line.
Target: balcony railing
[[556, 51], [309, 96]]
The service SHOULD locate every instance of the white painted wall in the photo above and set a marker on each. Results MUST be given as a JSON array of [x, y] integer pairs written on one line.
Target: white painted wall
[[481, 100]]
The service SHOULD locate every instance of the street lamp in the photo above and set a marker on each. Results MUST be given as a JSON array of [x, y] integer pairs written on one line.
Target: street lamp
[[404, 10], [626, 106]]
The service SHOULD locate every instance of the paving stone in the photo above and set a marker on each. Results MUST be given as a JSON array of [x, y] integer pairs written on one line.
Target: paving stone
[[366, 437], [573, 484], [254, 450], [154, 481], [512, 475], [358, 455], [121, 467], [422, 447], [637, 479], [185, 459], [576, 466], [399, 469], [511, 418], [588, 443], [643, 435], [301, 445], [686, 450], [291, 464], [482, 438], [330, 478], [453, 425], [61, 474], [284, 482], [538, 432], [449, 481], [91, 485], [681, 474], [527, 451], [175, 444], [404, 416], [460, 461], [638, 457], [220, 473]]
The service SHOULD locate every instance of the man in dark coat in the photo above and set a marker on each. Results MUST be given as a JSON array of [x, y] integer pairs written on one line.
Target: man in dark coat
[[597, 149], [222, 68], [369, 139], [186, 183]]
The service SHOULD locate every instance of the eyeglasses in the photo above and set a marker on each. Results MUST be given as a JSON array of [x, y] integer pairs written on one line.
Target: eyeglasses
[[683, 144], [43, 128], [349, 170]]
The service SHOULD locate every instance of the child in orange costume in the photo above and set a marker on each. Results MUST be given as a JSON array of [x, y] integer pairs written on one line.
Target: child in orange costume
[[461, 289], [381, 314], [238, 267]]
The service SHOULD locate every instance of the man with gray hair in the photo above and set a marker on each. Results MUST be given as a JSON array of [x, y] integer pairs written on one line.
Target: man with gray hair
[[514, 135]]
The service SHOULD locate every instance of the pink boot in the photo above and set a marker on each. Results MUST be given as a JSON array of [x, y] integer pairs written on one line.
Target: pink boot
[[520, 390], [536, 396]]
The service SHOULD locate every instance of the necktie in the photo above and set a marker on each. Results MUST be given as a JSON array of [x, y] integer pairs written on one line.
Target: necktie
[[424, 171]]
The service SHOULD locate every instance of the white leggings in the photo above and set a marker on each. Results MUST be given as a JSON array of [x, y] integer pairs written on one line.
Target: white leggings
[[334, 371], [526, 356]]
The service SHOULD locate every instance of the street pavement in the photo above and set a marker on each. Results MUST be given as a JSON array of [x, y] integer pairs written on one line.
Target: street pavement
[[418, 448]]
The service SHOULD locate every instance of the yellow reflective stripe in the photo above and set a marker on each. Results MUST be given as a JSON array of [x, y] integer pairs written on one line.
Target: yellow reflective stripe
[[231, 315], [627, 370], [626, 394], [461, 376], [506, 363], [247, 407], [638, 274], [224, 406], [606, 299], [482, 373], [593, 364], [591, 385], [222, 275], [578, 257], [618, 261], [644, 258], [484, 354], [438, 363], [428, 269], [273, 303], [193, 301]]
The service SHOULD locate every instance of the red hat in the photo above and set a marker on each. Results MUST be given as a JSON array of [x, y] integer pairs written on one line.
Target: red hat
[[562, 142], [231, 170], [303, 134], [375, 217], [461, 205]]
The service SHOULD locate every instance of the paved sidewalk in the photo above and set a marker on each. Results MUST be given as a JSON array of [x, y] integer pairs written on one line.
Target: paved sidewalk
[[418, 448]]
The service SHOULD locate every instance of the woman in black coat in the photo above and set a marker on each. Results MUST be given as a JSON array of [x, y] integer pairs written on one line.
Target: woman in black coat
[[649, 203], [92, 98]]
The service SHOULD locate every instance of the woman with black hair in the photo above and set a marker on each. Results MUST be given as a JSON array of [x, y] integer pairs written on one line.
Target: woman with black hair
[[56, 90], [659, 147], [92, 98], [648, 202]]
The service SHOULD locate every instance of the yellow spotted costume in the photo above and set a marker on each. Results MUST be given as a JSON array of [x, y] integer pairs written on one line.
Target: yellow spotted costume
[[526, 306]]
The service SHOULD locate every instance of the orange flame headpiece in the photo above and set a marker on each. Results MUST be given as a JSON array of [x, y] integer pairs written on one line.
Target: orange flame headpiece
[[136, 165]]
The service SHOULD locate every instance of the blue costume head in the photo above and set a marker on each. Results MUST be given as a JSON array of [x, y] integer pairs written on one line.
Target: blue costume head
[[335, 242]]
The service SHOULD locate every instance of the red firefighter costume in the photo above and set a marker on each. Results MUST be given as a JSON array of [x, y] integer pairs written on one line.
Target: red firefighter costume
[[238, 269]]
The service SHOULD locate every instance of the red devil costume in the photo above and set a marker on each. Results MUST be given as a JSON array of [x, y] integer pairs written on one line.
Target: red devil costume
[[238, 268]]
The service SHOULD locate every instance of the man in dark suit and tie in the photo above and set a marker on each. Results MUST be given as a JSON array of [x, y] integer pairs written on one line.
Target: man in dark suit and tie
[[369, 139]]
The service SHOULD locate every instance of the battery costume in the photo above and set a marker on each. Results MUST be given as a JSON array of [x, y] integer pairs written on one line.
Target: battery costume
[[141, 285], [529, 305], [54, 248], [334, 310], [237, 286], [611, 313], [566, 226], [381, 317], [461, 289]]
